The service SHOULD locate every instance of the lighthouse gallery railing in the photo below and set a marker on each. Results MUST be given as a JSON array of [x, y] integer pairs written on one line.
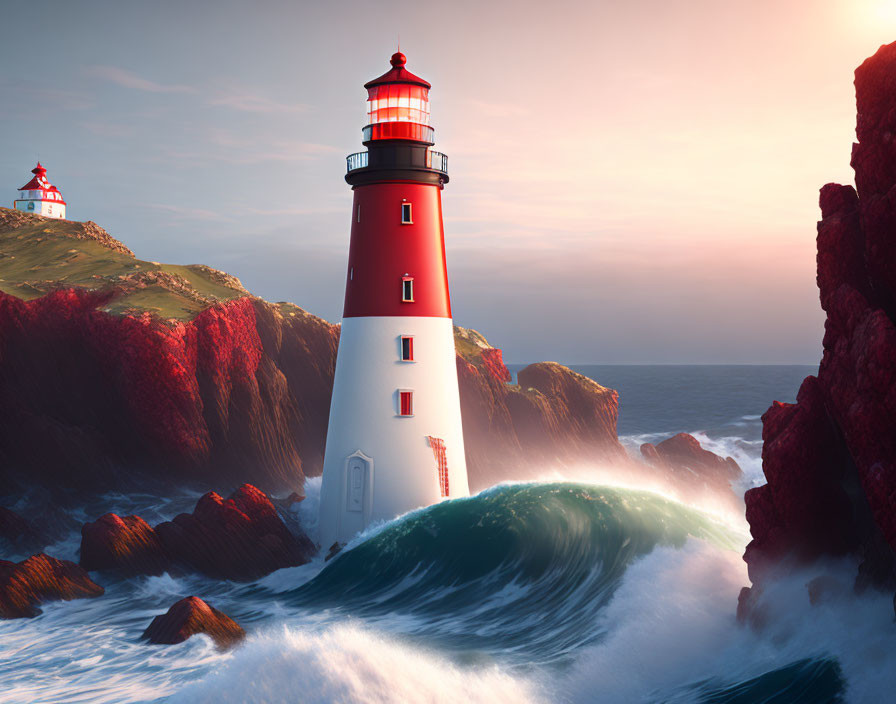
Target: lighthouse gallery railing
[[434, 160]]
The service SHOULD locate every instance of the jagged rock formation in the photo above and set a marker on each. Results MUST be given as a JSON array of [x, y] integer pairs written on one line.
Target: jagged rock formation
[[40, 578], [114, 369], [552, 417], [830, 459], [241, 390], [684, 458], [240, 538], [125, 543], [189, 617]]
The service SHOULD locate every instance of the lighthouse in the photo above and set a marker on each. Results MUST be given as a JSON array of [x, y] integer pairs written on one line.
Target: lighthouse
[[395, 440], [40, 197]]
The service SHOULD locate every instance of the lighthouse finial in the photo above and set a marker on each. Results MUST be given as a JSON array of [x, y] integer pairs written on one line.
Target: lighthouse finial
[[398, 60]]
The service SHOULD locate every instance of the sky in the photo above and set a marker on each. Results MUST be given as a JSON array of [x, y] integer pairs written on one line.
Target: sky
[[631, 182]]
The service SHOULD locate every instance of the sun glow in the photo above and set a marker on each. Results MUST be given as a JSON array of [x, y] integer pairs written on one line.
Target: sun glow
[[875, 14]]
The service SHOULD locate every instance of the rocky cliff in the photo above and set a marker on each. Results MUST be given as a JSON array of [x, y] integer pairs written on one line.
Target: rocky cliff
[[552, 417], [115, 370], [830, 459]]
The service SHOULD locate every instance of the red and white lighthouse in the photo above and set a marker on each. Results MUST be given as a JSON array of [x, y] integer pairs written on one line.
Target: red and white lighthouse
[[40, 197], [395, 440]]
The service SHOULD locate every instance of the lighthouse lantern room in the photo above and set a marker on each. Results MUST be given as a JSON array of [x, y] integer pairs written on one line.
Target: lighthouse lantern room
[[40, 197], [395, 440]]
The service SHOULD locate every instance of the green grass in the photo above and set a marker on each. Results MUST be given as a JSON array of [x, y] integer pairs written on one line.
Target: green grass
[[41, 255]]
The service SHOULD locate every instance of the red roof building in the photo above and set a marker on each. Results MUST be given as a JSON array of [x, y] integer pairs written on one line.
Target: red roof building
[[40, 197]]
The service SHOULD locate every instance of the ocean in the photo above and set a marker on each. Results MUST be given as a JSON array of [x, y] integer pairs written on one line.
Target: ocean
[[556, 590]]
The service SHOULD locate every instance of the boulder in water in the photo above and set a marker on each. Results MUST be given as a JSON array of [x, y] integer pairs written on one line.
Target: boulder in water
[[684, 453], [239, 538], [682, 460], [189, 617], [126, 543], [40, 578]]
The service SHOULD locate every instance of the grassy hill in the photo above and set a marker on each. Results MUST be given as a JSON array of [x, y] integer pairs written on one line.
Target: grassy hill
[[39, 254]]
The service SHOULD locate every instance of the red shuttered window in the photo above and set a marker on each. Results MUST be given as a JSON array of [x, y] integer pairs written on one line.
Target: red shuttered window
[[405, 403]]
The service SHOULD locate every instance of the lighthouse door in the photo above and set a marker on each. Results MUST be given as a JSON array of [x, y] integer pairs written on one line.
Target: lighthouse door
[[358, 480]]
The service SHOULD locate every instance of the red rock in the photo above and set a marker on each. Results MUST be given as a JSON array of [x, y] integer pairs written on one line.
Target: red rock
[[40, 578], [240, 538], [84, 393], [830, 460], [126, 543], [189, 617], [493, 360], [552, 417]]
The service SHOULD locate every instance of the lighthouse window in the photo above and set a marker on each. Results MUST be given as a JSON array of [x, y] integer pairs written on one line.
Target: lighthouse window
[[405, 403], [407, 289], [407, 348], [406, 214]]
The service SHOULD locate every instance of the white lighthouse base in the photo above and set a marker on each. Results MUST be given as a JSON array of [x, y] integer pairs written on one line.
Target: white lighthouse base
[[379, 464]]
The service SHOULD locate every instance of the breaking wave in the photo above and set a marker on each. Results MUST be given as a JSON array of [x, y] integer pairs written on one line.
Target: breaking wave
[[530, 592], [523, 569]]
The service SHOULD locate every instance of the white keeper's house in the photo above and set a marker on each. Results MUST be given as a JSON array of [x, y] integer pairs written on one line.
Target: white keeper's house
[[40, 197]]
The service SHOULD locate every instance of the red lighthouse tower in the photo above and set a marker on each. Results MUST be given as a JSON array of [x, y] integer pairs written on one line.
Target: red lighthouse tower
[[395, 440]]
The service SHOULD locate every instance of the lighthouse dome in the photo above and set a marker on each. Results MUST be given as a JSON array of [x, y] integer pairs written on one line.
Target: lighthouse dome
[[398, 105]]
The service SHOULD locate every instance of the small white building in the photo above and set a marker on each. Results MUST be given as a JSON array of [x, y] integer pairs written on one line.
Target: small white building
[[40, 197]]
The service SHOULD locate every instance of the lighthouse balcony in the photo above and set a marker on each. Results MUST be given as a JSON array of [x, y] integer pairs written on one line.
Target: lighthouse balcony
[[358, 160], [433, 160]]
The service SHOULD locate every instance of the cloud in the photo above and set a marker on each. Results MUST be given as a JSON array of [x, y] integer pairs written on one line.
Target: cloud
[[292, 211], [233, 148], [185, 213], [246, 102], [128, 79]]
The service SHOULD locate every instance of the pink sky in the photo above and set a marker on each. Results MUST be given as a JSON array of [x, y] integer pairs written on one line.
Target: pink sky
[[630, 182]]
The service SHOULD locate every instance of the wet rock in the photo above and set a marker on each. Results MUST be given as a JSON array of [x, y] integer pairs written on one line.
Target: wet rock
[[239, 538], [683, 453], [189, 617], [41, 578], [826, 587], [125, 543]]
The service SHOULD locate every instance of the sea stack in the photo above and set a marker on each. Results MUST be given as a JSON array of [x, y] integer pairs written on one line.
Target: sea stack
[[395, 440]]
